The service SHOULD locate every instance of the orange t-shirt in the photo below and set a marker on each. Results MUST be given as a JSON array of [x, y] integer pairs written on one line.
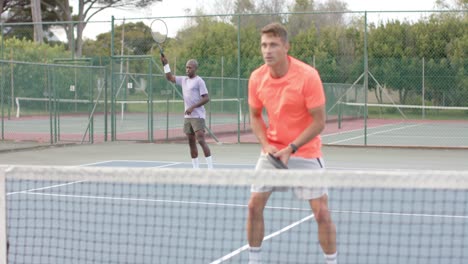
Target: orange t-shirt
[[287, 100]]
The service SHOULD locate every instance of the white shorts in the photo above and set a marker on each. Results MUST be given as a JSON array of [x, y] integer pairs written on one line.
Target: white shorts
[[294, 163]]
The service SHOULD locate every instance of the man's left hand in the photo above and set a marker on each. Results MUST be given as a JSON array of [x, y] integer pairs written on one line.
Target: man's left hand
[[283, 154], [189, 111]]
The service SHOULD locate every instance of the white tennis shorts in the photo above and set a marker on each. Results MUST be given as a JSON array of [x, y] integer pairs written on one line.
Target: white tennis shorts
[[294, 163]]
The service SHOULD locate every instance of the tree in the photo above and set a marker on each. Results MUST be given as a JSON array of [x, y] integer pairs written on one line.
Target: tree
[[37, 19], [273, 9], [60, 10], [30, 80], [456, 4], [301, 22], [137, 41], [335, 13], [7, 5], [243, 7], [444, 42], [208, 41], [391, 59], [223, 7], [89, 8], [2, 6], [22, 11]]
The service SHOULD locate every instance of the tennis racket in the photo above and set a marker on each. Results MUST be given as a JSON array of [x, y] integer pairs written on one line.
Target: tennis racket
[[159, 33], [276, 162]]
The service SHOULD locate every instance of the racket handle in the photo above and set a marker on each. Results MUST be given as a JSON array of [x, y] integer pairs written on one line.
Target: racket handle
[[163, 59], [161, 50]]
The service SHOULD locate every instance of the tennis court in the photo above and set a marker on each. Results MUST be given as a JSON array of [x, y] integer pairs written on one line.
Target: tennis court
[[398, 125], [414, 133], [375, 132], [131, 120], [121, 215]]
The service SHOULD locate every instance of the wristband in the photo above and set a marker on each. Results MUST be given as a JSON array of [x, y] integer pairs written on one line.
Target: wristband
[[167, 68], [294, 148]]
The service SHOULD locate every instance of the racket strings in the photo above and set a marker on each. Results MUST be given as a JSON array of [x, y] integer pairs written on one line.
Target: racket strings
[[159, 31]]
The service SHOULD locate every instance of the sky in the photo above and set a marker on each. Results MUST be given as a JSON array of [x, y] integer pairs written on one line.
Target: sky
[[168, 8]]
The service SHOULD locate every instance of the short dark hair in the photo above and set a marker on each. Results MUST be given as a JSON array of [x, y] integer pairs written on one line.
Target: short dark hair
[[277, 30]]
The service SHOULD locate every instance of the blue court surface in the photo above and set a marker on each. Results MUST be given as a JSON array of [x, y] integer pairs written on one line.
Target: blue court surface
[[81, 222]]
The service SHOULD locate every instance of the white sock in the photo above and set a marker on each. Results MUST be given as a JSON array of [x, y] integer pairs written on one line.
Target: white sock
[[255, 255], [331, 258], [195, 163], [209, 162]]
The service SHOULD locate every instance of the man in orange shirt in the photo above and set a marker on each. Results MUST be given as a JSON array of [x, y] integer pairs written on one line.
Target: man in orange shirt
[[292, 93]]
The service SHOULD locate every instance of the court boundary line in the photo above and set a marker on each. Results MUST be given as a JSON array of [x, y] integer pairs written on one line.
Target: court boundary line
[[353, 130], [246, 246], [240, 165], [44, 188], [34, 192], [140, 161], [374, 133], [162, 161], [276, 233]]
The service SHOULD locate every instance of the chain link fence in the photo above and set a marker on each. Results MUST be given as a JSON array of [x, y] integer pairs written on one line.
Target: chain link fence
[[388, 82]]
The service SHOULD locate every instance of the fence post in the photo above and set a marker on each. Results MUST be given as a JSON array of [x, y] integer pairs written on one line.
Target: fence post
[[366, 78], [3, 218], [423, 89]]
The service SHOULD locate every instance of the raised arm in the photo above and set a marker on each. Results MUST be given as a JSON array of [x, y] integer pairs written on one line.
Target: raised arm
[[169, 76]]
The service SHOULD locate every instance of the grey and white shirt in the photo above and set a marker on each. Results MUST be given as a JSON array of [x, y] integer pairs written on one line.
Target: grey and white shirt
[[192, 90]]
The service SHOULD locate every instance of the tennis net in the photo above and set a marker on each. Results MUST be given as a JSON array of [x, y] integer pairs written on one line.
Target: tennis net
[[403, 125], [73, 119], [395, 111], [147, 215]]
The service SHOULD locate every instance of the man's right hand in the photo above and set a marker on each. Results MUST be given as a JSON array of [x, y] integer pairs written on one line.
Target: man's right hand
[[269, 149], [163, 60]]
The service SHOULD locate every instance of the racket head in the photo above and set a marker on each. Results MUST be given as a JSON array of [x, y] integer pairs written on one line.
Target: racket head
[[277, 163], [158, 31]]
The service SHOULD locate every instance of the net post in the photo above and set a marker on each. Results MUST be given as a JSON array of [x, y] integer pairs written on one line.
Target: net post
[[17, 107], [122, 110], [423, 93], [239, 119], [366, 78], [3, 218], [167, 119], [150, 106], [339, 114]]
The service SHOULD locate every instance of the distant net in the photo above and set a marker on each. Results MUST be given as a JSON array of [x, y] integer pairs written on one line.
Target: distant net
[[30, 107], [339, 93], [407, 112], [74, 119], [144, 215], [59, 118], [402, 125], [223, 116]]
